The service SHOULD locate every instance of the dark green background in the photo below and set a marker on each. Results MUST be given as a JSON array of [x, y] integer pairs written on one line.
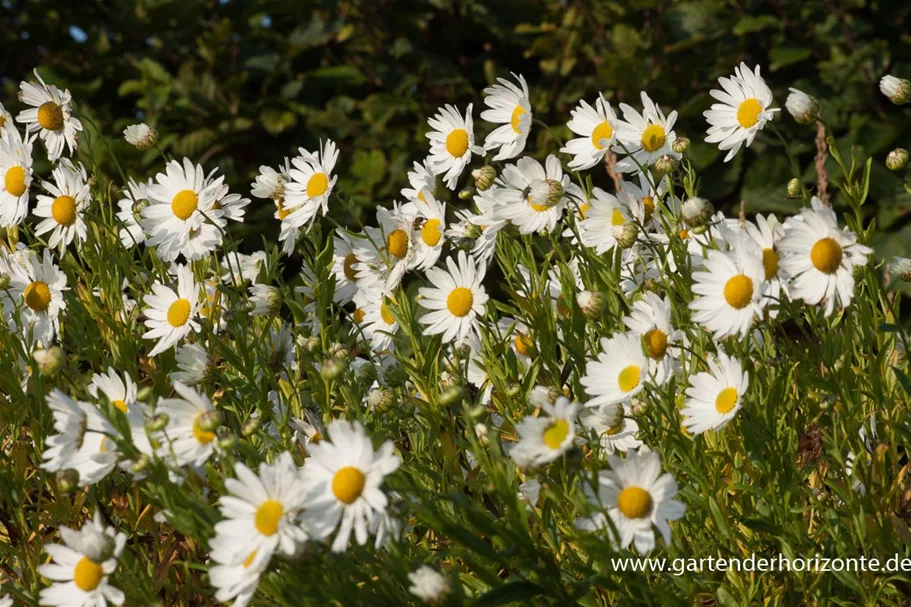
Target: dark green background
[[244, 83]]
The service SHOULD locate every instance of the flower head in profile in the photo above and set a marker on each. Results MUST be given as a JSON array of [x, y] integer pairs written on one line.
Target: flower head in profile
[[509, 106], [309, 185]]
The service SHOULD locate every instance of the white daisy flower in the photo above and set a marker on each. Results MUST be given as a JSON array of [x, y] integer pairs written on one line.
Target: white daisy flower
[[767, 233], [532, 197], [121, 392], [179, 217], [423, 182], [344, 260], [488, 222], [6, 123], [270, 183], [70, 196], [374, 318], [237, 581], [192, 363], [429, 225], [730, 290], [34, 300], [609, 220], [135, 195], [648, 196], [457, 299], [451, 144], [185, 440], [310, 184], [637, 497], [646, 137], [618, 373], [519, 337], [509, 106], [743, 111], [820, 257], [240, 268], [428, 585], [16, 170], [50, 116], [261, 512], [388, 250], [544, 439], [651, 319], [615, 431], [597, 127], [141, 135], [232, 206], [343, 478], [170, 315], [715, 397], [80, 567]]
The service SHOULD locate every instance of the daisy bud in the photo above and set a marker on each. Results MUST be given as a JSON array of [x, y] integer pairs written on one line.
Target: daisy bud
[[699, 230], [480, 431], [379, 399], [333, 369], [447, 379], [484, 177], [141, 464], [50, 360], [140, 135], [138, 206], [338, 350], [67, 480], [366, 373], [591, 303], [144, 394], [697, 211], [209, 421], [627, 236], [4, 282], [553, 393], [451, 395], [157, 423], [794, 188], [466, 194], [428, 585], [309, 345], [250, 427], [802, 107], [513, 390], [227, 442], [897, 159], [681, 144], [666, 164], [267, 300], [898, 90], [901, 266]]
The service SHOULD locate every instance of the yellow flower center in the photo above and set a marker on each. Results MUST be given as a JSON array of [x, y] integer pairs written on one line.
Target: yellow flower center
[[63, 210], [648, 205], [38, 296], [516, 119], [459, 301], [653, 137], [386, 314], [249, 560], [628, 378], [539, 208], [50, 116], [317, 185], [184, 204], [583, 210], [348, 484], [634, 502], [603, 132], [457, 142], [683, 234], [617, 218], [826, 255], [397, 243], [282, 211], [179, 313], [655, 343], [738, 291], [350, 272], [120, 405], [556, 433], [14, 181], [615, 429], [87, 574], [770, 263], [430, 232], [726, 400], [203, 437], [267, 517], [525, 345], [748, 112], [359, 315]]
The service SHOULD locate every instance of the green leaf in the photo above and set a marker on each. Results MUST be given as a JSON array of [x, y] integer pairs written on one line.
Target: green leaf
[[337, 75], [510, 593], [782, 56], [751, 24]]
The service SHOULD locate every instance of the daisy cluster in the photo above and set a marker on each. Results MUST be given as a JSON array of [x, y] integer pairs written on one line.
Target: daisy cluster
[[602, 305]]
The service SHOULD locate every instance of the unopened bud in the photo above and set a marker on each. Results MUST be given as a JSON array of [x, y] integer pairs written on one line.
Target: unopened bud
[[4, 282], [267, 300], [50, 360], [140, 135], [140, 464], [480, 431], [333, 369], [209, 421], [794, 188], [802, 107], [379, 399], [144, 394], [395, 376], [666, 164], [338, 350], [138, 206], [67, 480], [555, 192], [591, 303], [897, 159], [484, 177], [157, 423], [466, 193], [513, 390], [451, 395], [898, 90], [681, 144], [250, 427], [227, 442], [367, 373], [699, 230], [697, 211], [627, 235], [308, 345]]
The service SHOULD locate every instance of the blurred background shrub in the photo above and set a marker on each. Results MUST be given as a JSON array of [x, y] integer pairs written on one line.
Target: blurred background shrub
[[242, 83]]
